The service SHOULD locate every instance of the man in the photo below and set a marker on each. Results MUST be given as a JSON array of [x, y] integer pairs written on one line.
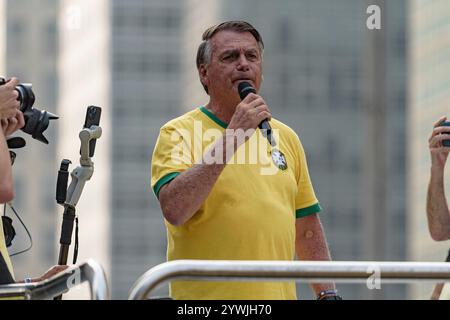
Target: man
[[222, 210], [11, 119], [437, 209]]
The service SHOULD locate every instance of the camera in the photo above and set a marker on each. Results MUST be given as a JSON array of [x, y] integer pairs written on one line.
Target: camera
[[445, 143], [36, 121]]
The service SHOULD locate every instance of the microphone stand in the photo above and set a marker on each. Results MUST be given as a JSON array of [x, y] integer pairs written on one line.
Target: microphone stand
[[79, 176]]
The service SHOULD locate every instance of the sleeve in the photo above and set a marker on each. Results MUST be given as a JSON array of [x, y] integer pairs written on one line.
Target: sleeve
[[171, 156], [306, 202]]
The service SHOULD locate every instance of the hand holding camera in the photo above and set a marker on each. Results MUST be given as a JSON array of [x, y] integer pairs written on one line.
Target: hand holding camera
[[21, 96], [439, 144], [11, 125], [8, 98]]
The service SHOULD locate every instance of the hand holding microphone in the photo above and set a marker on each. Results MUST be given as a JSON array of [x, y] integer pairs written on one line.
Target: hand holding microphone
[[252, 112], [244, 89]]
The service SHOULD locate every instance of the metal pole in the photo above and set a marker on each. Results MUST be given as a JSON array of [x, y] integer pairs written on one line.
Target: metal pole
[[344, 271], [89, 271]]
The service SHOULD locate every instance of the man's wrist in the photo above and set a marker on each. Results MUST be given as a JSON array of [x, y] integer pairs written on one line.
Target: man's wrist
[[331, 294]]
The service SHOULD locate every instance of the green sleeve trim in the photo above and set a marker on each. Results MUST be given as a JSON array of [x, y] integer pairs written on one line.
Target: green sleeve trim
[[211, 115], [304, 212], [164, 180]]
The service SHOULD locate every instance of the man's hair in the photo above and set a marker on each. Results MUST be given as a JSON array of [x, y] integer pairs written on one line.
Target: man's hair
[[204, 50]]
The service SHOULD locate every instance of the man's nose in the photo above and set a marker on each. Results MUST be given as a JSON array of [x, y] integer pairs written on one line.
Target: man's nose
[[243, 64]]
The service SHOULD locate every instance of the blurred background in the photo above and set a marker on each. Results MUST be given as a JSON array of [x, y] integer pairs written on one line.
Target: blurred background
[[362, 101]]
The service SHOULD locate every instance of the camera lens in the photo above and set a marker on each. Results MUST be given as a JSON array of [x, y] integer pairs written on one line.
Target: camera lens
[[36, 121], [26, 96]]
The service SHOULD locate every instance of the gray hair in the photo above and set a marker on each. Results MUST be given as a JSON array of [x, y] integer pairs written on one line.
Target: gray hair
[[204, 50]]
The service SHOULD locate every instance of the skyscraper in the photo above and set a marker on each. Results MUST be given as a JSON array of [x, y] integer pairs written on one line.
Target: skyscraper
[[85, 79], [146, 72], [31, 54], [136, 60]]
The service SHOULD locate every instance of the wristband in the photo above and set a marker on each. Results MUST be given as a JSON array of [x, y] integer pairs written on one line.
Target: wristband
[[326, 294]]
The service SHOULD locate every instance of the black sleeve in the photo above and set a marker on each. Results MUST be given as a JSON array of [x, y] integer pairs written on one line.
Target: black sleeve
[[5, 275]]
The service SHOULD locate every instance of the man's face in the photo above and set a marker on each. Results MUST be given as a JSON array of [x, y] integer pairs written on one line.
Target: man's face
[[235, 58]]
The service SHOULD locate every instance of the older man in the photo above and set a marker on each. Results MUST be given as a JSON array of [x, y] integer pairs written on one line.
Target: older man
[[220, 206]]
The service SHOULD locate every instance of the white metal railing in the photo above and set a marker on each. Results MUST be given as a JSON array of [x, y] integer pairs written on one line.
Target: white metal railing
[[62, 282], [301, 271]]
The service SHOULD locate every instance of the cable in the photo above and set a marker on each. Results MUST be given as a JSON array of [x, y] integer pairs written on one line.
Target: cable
[[25, 227]]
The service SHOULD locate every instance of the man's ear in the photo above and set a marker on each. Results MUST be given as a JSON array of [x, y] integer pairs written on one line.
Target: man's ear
[[203, 73]]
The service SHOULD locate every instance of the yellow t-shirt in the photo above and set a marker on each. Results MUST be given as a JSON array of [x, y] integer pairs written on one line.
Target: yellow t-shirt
[[251, 210], [4, 251]]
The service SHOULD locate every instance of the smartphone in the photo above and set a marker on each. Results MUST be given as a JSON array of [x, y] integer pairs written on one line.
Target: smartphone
[[92, 119]]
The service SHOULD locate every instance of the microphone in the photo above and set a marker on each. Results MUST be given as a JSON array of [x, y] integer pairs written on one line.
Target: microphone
[[244, 88]]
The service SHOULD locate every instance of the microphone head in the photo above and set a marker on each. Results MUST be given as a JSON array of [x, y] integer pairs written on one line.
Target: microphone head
[[244, 88]]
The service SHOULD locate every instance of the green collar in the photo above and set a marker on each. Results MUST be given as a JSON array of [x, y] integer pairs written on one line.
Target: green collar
[[211, 115]]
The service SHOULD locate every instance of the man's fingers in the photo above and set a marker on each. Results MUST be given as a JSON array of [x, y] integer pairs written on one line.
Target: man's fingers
[[13, 82], [250, 97], [260, 109], [263, 116], [13, 102], [434, 142], [20, 120], [257, 102], [15, 96], [12, 126], [443, 149], [439, 130], [4, 123]]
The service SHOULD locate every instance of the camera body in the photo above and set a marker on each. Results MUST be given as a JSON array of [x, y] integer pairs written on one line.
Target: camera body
[[36, 121]]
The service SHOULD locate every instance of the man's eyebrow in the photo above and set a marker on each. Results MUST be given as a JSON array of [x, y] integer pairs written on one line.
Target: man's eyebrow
[[228, 51]]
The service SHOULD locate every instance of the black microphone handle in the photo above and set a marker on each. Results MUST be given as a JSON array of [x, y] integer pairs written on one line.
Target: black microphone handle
[[266, 130], [245, 88]]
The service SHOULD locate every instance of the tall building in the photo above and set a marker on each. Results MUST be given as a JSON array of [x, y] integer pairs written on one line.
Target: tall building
[[131, 59], [136, 60], [429, 91], [85, 79], [31, 42], [146, 91]]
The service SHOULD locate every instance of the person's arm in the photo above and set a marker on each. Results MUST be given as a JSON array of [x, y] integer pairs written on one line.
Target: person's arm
[[311, 245], [437, 209], [8, 108], [438, 214], [8, 99], [6, 181], [48, 274], [181, 198], [8, 126]]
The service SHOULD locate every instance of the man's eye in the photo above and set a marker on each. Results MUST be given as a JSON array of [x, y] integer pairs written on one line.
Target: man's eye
[[228, 57], [252, 56]]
